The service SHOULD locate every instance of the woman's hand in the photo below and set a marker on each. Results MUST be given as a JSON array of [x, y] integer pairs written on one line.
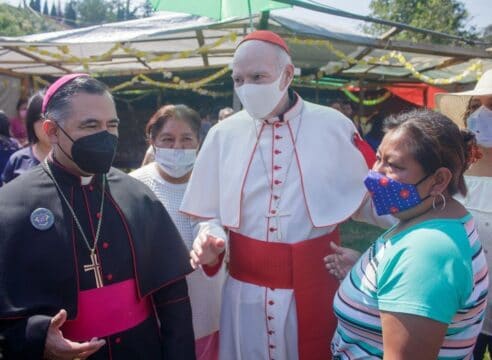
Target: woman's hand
[[341, 261]]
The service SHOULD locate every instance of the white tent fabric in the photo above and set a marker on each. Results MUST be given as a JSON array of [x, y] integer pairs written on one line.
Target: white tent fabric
[[146, 39]]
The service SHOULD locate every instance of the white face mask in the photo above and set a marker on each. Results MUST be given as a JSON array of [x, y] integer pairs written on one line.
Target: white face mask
[[175, 162], [480, 123], [259, 100]]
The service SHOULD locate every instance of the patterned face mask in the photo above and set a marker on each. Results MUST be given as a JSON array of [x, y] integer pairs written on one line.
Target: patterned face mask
[[390, 196]]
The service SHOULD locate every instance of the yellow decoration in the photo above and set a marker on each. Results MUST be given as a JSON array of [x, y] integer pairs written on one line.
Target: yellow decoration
[[176, 84], [366, 102], [476, 67], [214, 94], [64, 52]]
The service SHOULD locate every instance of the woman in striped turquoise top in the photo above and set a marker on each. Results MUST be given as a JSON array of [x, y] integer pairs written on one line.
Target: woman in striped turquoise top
[[419, 292]]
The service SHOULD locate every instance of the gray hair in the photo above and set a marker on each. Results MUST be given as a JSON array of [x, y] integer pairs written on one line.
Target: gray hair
[[283, 58]]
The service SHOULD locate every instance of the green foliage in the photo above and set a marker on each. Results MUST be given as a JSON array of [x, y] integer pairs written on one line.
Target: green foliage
[[447, 16], [148, 9], [53, 11], [23, 21], [45, 8], [70, 16], [357, 235], [124, 11], [35, 5], [92, 12], [16, 22], [487, 33]]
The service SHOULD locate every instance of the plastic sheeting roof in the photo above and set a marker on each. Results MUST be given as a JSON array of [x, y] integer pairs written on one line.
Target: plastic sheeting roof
[[61, 52]]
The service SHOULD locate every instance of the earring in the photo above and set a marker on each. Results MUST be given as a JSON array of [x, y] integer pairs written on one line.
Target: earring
[[443, 205]]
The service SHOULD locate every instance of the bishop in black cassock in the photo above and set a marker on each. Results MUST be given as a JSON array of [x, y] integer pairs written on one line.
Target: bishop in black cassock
[[42, 271], [131, 291]]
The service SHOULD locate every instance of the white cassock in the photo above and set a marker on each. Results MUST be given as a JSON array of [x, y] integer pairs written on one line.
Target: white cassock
[[304, 168]]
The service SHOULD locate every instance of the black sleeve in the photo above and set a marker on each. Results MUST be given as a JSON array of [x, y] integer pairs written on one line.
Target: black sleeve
[[24, 339], [8, 173], [174, 310]]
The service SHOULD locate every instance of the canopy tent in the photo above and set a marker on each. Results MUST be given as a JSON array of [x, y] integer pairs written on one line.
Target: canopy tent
[[168, 42]]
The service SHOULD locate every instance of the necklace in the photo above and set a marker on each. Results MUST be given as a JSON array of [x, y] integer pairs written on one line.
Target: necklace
[[275, 213], [94, 265]]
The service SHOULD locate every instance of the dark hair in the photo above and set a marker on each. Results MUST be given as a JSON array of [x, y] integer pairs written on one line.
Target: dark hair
[[178, 112], [59, 106], [473, 104], [377, 124], [20, 102], [34, 115], [435, 141], [4, 124]]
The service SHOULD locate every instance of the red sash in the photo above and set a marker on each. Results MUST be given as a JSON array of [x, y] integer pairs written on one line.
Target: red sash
[[106, 311], [300, 267]]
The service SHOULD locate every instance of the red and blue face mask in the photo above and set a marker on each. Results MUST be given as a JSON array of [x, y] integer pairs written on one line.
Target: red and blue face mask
[[391, 196]]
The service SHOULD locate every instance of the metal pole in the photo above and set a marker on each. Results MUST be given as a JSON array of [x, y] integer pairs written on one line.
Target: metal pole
[[250, 16]]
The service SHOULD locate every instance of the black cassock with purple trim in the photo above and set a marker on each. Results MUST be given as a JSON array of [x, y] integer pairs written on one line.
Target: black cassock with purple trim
[[132, 292]]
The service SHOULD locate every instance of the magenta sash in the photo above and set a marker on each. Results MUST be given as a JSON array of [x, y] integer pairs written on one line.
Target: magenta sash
[[106, 311]]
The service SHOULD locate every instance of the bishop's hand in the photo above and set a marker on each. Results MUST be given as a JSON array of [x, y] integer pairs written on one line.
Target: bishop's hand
[[206, 250], [58, 348], [340, 262]]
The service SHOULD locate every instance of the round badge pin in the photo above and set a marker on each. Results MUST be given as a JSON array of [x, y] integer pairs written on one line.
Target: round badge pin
[[42, 219]]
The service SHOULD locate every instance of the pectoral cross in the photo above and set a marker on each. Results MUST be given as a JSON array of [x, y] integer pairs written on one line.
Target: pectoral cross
[[277, 216], [96, 267]]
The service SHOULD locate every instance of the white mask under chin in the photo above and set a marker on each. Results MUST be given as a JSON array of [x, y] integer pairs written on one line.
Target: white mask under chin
[[175, 162], [480, 123], [259, 100]]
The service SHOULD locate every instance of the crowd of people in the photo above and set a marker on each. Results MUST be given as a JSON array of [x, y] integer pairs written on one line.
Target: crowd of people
[[227, 246]]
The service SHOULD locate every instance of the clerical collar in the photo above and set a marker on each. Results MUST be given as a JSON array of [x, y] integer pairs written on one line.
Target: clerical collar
[[66, 176], [86, 180], [292, 112]]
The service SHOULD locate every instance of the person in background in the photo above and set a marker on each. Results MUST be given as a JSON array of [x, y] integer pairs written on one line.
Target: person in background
[[419, 292], [39, 143], [473, 104], [18, 123], [477, 118], [206, 123], [173, 132], [342, 105], [375, 135], [7, 145], [225, 112]]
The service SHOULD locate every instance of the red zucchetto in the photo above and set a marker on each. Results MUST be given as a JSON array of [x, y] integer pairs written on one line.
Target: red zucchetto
[[267, 36]]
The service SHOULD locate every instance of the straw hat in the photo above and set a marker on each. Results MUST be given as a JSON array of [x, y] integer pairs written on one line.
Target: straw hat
[[454, 105]]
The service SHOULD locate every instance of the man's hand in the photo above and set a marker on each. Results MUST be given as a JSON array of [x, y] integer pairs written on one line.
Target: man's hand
[[59, 348], [206, 250], [341, 261]]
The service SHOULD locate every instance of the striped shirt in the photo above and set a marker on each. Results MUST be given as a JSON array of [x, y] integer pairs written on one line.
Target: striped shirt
[[435, 269]]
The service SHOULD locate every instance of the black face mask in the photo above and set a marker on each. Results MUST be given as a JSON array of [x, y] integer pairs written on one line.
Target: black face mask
[[93, 153]]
